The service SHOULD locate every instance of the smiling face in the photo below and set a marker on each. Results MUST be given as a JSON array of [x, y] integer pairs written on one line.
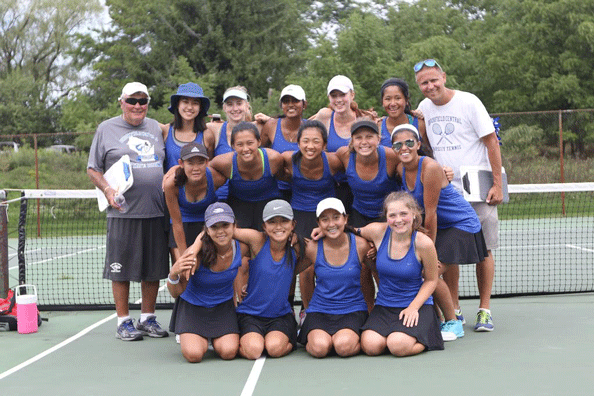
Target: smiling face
[[188, 108], [292, 107], [194, 168], [246, 144], [311, 143], [236, 109], [405, 139], [332, 223], [399, 217], [221, 233], [134, 114], [394, 101], [341, 102], [432, 81], [279, 229], [365, 141]]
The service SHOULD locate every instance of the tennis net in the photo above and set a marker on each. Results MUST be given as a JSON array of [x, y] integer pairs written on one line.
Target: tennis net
[[546, 246]]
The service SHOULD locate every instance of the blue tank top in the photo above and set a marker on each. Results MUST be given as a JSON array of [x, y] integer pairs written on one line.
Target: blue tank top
[[281, 145], [306, 192], [334, 143], [399, 280], [263, 189], [173, 147], [368, 195], [386, 139], [452, 209], [222, 148], [207, 288], [194, 211], [338, 288], [268, 285]]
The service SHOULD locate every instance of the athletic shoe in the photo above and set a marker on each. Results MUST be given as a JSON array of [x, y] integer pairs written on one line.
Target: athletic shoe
[[484, 321], [451, 327], [302, 316], [459, 316], [151, 328], [127, 332]]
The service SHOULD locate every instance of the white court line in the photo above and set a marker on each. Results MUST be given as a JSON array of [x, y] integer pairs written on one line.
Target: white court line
[[63, 343], [55, 347], [26, 252], [252, 380], [61, 257], [580, 248]]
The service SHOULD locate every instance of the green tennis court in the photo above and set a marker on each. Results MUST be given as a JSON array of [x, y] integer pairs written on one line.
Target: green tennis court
[[540, 346]]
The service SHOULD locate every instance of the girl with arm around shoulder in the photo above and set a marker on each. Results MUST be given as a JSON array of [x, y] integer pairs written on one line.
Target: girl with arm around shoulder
[[337, 309], [202, 282], [403, 320], [266, 319]]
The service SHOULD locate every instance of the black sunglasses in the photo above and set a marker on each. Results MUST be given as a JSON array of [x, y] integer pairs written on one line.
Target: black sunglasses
[[133, 101], [410, 143]]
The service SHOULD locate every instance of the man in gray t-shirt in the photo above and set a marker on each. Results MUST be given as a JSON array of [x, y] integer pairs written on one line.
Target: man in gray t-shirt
[[136, 248]]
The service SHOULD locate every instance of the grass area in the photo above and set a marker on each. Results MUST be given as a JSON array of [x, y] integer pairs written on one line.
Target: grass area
[[548, 205]]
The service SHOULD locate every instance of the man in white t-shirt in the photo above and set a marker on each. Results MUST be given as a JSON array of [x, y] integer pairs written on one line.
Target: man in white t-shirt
[[460, 132]]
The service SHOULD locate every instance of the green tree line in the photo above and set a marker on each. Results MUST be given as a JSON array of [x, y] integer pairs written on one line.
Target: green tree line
[[517, 55]]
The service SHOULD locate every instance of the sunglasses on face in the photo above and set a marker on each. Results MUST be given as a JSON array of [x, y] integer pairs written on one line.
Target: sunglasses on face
[[410, 143], [428, 63], [133, 101]]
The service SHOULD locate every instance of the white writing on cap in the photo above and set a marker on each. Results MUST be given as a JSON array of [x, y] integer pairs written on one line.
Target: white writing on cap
[[218, 210], [195, 149]]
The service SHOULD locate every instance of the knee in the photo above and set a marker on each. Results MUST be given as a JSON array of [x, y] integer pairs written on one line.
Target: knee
[[251, 352], [193, 356], [347, 346], [372, 345], [278, 348], [318, 348], [227, 353]]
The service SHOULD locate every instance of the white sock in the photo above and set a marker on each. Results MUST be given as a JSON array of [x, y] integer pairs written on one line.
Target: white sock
[[122, 319], [144, 316]]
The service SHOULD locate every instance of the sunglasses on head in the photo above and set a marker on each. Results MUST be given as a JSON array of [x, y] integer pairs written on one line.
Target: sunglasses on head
[[410, 143], [133, 101], [428, 63]]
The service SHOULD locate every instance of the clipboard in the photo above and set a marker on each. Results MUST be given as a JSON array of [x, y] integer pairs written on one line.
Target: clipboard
[[478, 180], [120, 177]]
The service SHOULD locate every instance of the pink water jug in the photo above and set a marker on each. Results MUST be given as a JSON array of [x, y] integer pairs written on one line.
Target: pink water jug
[[26, 309]]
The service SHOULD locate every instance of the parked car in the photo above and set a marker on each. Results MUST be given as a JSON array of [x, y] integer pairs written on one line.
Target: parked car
[[9, 146], [63, 148]]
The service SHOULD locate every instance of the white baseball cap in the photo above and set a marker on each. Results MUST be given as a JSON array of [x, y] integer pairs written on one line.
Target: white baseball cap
[[132, 88], [406, 127], [340, 83], [330, 203], [236, 93], [293, 90]]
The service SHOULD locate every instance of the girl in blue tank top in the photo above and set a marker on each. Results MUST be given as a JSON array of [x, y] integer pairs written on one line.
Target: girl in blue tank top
[[251, 172], [449, 219], [222, 148], [403, 319], [395, 98], [370, 170], [189, 107], [337, 309], [202, 282], [188, 194], [266, 319]]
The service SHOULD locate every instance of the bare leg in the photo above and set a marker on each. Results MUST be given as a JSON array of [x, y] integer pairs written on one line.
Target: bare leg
[[452, 278], [226, 346], [485, 272], [121, 293], [193, 347], [277, 344], [306, 285], [319, 343], [149, 291], [346, 343], [251, 345]]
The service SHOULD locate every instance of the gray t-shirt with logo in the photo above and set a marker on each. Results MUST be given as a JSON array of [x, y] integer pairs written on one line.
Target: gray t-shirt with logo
[[144, 144]]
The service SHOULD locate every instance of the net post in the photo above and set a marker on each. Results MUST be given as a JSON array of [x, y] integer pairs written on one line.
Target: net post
[[562, 169], [3, 246]]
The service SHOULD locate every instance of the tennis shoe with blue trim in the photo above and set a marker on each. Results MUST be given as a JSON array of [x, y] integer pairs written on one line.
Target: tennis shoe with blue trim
[[484, 321], [459, 316], [152, 328], [127, 332], [452, 327]]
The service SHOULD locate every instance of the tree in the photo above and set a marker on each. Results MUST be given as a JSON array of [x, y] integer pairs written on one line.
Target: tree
[[36, 72]]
